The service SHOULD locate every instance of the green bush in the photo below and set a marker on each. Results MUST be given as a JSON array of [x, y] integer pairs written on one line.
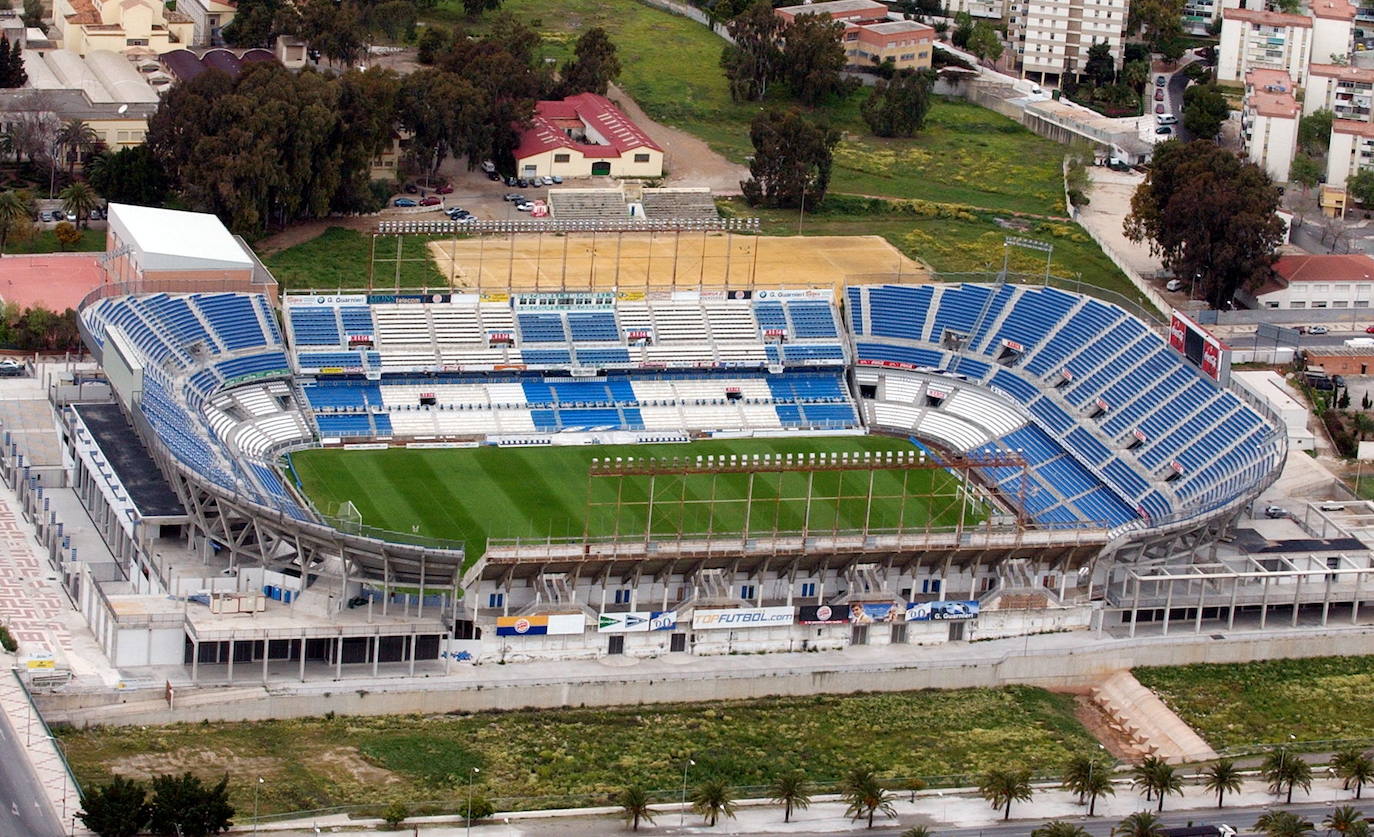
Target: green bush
[[7, 641], [395, 813]]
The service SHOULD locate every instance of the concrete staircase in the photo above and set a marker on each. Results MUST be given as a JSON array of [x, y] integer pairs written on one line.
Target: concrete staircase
[[1142, 719]]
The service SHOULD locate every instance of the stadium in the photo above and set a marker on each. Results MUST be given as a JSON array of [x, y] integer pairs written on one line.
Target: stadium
[[414, 477]]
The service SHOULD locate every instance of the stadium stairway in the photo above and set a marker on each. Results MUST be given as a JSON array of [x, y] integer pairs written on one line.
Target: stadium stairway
[[1143, 719]]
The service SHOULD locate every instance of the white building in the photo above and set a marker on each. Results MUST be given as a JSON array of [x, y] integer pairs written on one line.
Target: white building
[[1332, 24], [1264, 40], [209, 18], [1352, 148], [1345, 91], [1317, 283], [1269, 122], [1053, 36]]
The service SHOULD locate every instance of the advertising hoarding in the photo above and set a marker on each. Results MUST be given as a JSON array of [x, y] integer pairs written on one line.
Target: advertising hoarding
[[540, 625], [822, 615], [940, 611], [742, 617], [637, 621]]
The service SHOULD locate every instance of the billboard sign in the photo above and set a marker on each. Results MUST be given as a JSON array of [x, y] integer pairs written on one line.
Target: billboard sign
[[822, 615], [743, 617], [549, 624], [941, 611], [1200, 347], [867, 613], [637, 621]]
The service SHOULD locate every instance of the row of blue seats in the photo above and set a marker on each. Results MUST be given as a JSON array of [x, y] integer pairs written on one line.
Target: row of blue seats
[[353, 424], [315, 326]]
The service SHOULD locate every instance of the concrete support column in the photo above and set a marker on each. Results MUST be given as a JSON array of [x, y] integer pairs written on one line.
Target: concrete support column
[[376, 652], [195, 660], [1297, 592], [338, 658], [266, 655], [230, 678], [1135, 607], [411, 654], [302, 656], [1235, 593], [1168, 606], [1264, 604]]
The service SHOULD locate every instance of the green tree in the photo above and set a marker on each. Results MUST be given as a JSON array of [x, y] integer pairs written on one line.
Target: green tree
[[985, 42], [1136, 74], [963, 29], [1283, 824], [1304, 171], [1154, 16], [1360, 186], [1158, 779], [12, 72], [336, 30], [792, 160], [475, 7], [792, 791], [1100, 68], [75, 137], [1139, 824], [1284, 770], [79, 199], [256, 23], [1002, 787], [33, 15], [1059, 828], [898, 108], [129, 175], [117, 809], [431, 42], [813, 57], [443, 113], [713, 800], [1346, 820], [1314, 131], [67, 234], [1204, 109], [15, 219], [594, 65], [1222, 777], [1207, 213], [395, 813], [634, 804], [754, 59], [184, 806], [1353, 766], [865, 796]]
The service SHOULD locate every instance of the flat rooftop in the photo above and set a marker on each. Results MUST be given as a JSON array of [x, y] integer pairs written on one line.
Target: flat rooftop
[[132, 463]]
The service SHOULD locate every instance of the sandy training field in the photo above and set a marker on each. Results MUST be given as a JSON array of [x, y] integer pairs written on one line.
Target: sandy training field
[[667, 259]]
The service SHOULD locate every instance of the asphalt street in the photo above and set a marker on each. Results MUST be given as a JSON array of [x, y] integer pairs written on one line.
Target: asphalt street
[[24, 807], [1305, 341]]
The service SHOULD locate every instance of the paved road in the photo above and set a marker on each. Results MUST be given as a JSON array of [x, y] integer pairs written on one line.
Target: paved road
[[1306, 342], [24, 808]]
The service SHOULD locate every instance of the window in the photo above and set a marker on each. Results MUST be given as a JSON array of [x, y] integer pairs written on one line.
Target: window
[[641, 158], [808, 589], [746, 591], [908, 56], [561, 158], [930, 585], [496, 600], [622, 597], [136, 42]]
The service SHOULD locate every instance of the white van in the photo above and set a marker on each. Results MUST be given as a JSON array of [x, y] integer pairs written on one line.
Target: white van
[[1175, 285], [1167, 119]]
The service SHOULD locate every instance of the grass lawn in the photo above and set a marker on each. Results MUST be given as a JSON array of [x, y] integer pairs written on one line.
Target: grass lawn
[[491, 492], [671, 66], [589, 754], [1263, 703], [339, 259], [46, 242]]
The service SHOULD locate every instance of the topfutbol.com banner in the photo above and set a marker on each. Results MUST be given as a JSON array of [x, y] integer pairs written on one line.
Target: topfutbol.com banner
[[745, 617]]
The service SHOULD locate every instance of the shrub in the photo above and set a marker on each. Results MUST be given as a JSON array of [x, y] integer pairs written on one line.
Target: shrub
[[8, 641], [395, 813]]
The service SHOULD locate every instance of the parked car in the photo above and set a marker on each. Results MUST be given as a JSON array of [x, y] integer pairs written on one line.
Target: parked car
[[1167, 119], [1174, 285], [491, 175], [488, 166], [1159, 94], [557, 179], [1159, 108], [1369, 330], [1275, 512], [404, 202], [71, 216], [511, 181], [412, 189], [522, 183], [1332, 506], [1164, 130], [546, 180], [511, 196], [535, 182], [1160, 81], [1318, 330], [432, 200], [1338, 380], [444, 189], [526, 206]]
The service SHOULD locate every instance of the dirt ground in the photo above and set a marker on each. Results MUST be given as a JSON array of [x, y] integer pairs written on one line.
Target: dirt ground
[[688, 259], [688, 160], [1092, 718]]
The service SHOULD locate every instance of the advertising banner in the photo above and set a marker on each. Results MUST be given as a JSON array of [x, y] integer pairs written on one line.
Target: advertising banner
[[637, 621], [540, 625], [745, 617], [294, 300], [806, 293], [940, 611], [867, 613], [822, 615]]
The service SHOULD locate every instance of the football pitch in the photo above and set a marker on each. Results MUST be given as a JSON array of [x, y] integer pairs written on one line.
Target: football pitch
[[477, 494]]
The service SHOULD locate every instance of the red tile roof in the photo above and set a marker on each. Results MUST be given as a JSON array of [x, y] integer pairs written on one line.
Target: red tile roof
[[551, 120], [1356, 267], [1340, 73], [1333, 9], [1267, 18]]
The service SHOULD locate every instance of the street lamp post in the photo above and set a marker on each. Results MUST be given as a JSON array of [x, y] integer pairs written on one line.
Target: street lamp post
[[682, 812], [472, 774]]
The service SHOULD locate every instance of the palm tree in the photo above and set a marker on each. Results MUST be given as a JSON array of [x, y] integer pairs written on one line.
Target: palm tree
[[79, 198], [96, 164], [76, 136], [1059, 828], [1076, 772], [1345, 821], [1003, 787], [866, 796], [14, 210], [1158, 778], [792, 791], [918, 831], [1223, 777], [1354, 767], [1283, 824], [1139, 824], [713, 800], [634, 803], [1097, 785], [1282, 770]]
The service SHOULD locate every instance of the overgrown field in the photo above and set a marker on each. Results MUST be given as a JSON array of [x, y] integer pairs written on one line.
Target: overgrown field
[[580, 756], [1263, 703], [494, 492], [339, 258]]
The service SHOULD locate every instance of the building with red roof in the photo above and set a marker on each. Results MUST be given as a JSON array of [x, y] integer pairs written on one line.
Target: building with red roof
[[582, 136], [1317, 282]]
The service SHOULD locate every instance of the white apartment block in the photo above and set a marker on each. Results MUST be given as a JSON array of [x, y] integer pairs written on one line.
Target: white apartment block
[[1263, 40], [1269, 122], [1352, 149], [1199, 14], [1333, 22], [1053, 36], [1345, 91]]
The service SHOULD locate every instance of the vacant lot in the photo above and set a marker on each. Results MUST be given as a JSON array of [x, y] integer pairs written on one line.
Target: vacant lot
[[589, 754], [340, 258], [1265, 702]]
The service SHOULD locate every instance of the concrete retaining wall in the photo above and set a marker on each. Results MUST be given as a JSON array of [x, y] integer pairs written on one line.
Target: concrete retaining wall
[[792, 674]]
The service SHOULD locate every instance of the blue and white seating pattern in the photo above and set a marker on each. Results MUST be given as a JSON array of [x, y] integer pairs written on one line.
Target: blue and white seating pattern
[[1141, 433]]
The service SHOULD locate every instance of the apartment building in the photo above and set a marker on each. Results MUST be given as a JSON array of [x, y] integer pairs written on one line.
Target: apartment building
[[1333, 23], [1316, 282], [1053, 37], [869, 37], [1269, 122], [1253, 39], [1345, 91], [133, 27], [1352, 149]]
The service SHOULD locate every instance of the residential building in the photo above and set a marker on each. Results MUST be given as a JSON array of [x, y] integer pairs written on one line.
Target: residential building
[[1269, 122], [1253, 39], [1198, 15], [1316, 282], [585, 135], [1332, 27], [1053, 37], [1345, 91], [1351, 149], [136, 27], [104, 90], [869, 36], [209, 18]]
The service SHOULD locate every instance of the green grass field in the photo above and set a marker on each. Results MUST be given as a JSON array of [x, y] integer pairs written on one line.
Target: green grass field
[[339, 257], [481, 493]]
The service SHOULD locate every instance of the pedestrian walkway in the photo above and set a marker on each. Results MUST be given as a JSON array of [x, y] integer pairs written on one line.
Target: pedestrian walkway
[[40, 748]]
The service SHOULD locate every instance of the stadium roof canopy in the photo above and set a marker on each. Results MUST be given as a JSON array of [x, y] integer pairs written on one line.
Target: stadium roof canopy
[[168, 239]]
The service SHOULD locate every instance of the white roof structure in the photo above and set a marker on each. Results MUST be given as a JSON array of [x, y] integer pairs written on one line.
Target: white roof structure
[[168, 239]]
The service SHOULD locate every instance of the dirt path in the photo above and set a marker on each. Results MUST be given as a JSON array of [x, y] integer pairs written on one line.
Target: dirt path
[[308, 231], [690, 161]]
